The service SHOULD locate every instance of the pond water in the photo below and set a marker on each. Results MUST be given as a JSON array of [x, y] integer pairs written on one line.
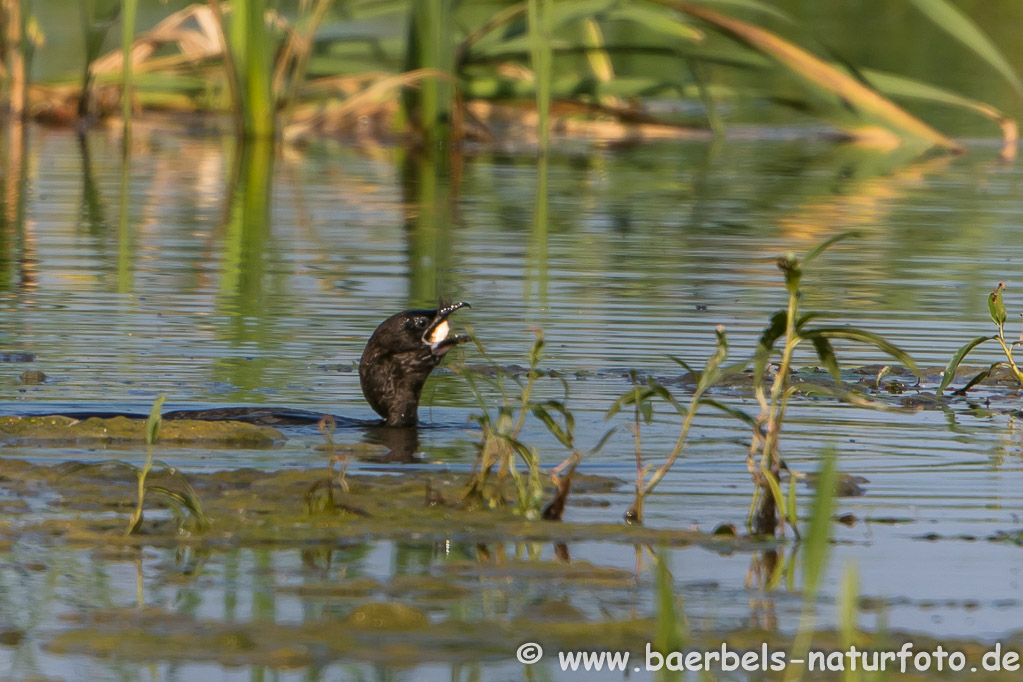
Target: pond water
[[225, 276]]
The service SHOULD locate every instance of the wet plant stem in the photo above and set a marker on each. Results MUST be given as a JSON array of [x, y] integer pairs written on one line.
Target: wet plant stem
[[152, 433], [1007, 349], [637, 507]]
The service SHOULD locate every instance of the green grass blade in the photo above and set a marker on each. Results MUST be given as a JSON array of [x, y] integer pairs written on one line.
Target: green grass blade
[[949, 375], [821, 75], [753, 6], [250, 49], [895, 85], [539, 16], [957, 24], [128, 13], [979, 378], [658, 20]]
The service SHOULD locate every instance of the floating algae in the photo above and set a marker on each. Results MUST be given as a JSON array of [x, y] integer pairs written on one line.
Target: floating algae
[[249, 507], [57, 430]]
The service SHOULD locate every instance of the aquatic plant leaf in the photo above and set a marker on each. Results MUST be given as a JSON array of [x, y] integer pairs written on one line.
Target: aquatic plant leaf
[[154, 421], [536, 352], [820, 74], [868, 337], [182, 503], [949, 375], [791, 510], [775, 330], [564, 434], [819, 534], [712, 372], [603, 440], [749, 420], [957, 24], [682, 363], [854, 398], [775, 488], [646, 410], [979, 377], [631, 397], [812, 255], [806, 318], [826, 353], [996, 306], [666, 395]]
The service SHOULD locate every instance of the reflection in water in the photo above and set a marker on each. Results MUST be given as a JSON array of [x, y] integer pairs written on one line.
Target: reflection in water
[[17, 249], [402, 443], [430, 192], [536, 271], [245, 239]]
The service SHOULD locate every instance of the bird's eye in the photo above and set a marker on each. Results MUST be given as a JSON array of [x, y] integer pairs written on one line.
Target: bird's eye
[[421, 322]]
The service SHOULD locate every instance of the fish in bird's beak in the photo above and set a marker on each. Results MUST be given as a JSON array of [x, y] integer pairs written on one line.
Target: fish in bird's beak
[[436, 335]]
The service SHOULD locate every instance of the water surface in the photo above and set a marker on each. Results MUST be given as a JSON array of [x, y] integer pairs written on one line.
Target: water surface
[[223, 276]]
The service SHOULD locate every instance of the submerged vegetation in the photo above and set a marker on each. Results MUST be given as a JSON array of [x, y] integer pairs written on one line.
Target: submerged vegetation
[[464, 69]]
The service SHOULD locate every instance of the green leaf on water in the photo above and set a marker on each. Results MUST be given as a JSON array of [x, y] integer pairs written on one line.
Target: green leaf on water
[[949, 375]]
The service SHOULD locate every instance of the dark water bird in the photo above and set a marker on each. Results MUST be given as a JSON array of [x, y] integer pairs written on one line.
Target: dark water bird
[[398, 358]]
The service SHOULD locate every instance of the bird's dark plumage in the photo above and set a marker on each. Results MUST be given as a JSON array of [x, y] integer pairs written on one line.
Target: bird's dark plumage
[[402, 352]]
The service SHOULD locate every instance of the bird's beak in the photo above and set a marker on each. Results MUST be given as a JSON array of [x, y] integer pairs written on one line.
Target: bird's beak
[[436, 334]]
